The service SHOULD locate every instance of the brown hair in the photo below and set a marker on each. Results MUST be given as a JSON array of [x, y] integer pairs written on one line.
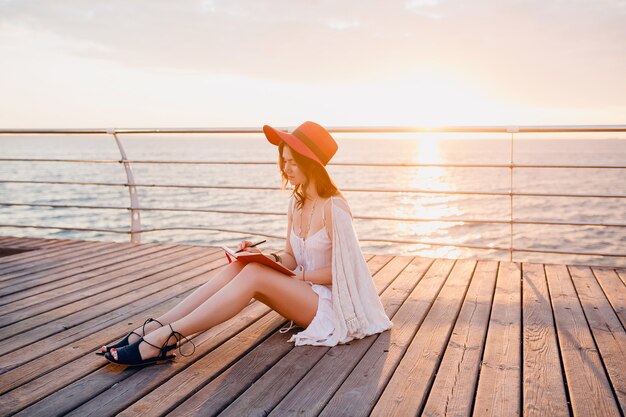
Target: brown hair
[[324, 185]]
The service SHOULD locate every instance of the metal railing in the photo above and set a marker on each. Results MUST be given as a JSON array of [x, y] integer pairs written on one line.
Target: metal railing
[[135, 208]]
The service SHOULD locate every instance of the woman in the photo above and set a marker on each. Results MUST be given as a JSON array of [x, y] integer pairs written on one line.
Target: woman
[[332, 294]]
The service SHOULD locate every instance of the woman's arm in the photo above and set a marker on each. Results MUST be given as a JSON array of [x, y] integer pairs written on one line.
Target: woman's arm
[[323, 276], [287, 259]]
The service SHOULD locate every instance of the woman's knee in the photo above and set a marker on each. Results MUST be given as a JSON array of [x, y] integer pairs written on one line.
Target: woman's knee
[[235, 267], [253, 268], [251, 272], [231, 271], [257, 276]]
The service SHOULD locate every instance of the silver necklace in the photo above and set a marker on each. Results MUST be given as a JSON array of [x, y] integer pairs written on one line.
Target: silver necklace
[[303, 246]]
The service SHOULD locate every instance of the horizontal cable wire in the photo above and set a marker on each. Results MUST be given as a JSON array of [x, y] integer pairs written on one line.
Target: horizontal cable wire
[[338, 129], [80, 229], [248, 233], [266, 213], [348, 164], [354, 190]]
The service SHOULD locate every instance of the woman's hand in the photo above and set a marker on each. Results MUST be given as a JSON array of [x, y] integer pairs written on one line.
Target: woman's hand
[[299, 275], [320, 276], [244, 246]]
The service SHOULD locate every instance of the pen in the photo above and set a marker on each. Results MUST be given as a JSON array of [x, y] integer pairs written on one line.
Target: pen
[[251, 246]]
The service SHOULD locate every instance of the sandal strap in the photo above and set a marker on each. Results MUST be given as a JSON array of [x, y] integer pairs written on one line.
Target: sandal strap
[[143, 328], [145, 341], [179, 337]]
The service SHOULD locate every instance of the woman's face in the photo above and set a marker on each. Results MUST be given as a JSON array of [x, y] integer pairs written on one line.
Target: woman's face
[[290, 168]]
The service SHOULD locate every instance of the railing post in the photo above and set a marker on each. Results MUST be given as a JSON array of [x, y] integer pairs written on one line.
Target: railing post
[[512, 130], [135, 210]]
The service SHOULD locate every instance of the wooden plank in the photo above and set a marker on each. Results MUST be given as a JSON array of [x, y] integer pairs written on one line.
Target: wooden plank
[[24, 335], [46, 243], [14, 241], [225, 388], [78, 378], [543, 386], [268, 390], [359, 393], [622, 274], [77, 274], [161, 400], [341, 359], [50, 331], [133, 278], [453, 391], [22, 241], [8, 252], [313, 391], [24, 259], [407, 390], [606, 328], [49, 274], [79, 282], [376, 262], [25, 269], [75, 280], [91, 283], [284, 374], [40, 239], [498, 392], [77, 259], [589, 389], [614, 289], [72, 358], [210, 365], [51, 244], [18, 265], [87, 287], [70, 394], [103, 399], [33, 254]]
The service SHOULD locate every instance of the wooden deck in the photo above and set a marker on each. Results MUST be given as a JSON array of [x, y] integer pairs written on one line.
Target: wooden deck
[[470, 338]]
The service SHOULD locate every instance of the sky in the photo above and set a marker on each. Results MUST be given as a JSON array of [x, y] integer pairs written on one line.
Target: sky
[[245, 63]]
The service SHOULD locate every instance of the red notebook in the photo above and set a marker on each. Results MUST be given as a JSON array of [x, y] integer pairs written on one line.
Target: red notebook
[[247, 257]]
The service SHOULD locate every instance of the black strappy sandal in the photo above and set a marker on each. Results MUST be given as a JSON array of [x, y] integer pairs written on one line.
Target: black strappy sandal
[[130, 355], [125, 342]]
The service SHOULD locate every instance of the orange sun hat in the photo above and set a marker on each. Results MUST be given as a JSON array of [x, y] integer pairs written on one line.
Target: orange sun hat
[[309, 139]]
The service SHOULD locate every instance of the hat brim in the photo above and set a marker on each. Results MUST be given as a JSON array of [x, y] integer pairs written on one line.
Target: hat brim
[[275, 136]]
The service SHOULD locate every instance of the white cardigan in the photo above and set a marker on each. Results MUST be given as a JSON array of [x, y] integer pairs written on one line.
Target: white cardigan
[[357, 307]]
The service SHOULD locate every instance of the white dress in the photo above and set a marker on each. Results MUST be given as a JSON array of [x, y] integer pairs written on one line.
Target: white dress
[[314, 254], [350, 308]]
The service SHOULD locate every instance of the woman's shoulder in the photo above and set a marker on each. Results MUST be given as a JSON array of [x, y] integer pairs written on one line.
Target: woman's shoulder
[[338, 200], [335, 198]]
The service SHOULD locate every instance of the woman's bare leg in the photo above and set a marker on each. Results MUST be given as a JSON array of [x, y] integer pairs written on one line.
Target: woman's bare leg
[[202, 293], [193, 300], [292, 299]]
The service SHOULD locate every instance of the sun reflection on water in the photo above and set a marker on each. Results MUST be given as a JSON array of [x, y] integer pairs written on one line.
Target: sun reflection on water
[[428, 206]]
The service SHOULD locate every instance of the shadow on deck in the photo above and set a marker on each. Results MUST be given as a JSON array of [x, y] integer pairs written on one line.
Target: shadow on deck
[[469, 338]]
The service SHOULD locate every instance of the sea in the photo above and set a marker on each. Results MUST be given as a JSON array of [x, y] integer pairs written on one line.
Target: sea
[[388, 202]]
